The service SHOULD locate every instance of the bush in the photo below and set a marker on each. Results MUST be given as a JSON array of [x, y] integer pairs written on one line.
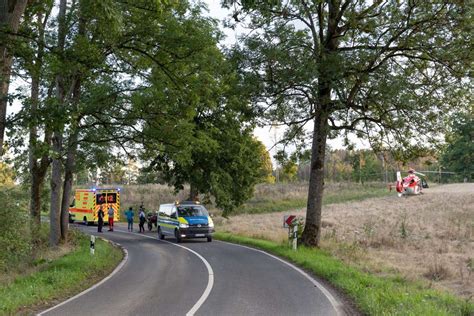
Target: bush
[[14, 233]]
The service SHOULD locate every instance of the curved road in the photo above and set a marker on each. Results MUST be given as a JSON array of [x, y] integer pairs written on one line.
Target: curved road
[[199, 278]]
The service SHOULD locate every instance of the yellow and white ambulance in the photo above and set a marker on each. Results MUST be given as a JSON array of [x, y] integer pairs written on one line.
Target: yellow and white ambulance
[[87, 202]]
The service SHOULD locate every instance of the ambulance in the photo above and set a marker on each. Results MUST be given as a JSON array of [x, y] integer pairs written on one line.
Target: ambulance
[[87, 202]]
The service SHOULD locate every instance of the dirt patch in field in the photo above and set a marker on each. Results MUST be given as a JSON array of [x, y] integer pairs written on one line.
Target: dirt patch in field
[[428, 237]]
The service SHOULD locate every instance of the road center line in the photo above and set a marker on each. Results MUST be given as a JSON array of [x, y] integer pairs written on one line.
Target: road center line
[[210, 282]]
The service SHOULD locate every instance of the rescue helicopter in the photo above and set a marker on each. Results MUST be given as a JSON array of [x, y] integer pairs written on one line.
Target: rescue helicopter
[[411, 184]]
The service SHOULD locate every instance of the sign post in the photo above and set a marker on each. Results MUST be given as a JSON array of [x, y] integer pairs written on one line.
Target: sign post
[[92, 244], [290, 222]]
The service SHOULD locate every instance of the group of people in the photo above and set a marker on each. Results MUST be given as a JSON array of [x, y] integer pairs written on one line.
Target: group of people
[[101, 214], [130, 214], [141, 218]]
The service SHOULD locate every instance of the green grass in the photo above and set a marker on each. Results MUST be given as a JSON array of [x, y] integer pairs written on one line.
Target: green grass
[[356, 193], [372, 294], [60, 278]]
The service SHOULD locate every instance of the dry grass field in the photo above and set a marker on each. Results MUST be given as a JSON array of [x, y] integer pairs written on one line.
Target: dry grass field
[[428, 237]]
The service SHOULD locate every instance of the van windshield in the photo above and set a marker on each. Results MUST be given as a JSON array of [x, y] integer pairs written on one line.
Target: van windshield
[[192, 210]]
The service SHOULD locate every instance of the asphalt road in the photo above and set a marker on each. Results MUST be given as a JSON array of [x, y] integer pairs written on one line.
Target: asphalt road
[[200, 278]]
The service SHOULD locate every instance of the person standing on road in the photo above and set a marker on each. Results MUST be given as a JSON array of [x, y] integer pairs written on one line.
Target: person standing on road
[[100, 215], [129, 213], [142, 219], [111, 212]]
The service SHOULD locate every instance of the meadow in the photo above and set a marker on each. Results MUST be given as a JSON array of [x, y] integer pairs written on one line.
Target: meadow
[[427, 238]]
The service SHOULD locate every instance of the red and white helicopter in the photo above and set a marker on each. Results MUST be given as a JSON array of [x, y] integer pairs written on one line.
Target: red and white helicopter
[[411, 184]]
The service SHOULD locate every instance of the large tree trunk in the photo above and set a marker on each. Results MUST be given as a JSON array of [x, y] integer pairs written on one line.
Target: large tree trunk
[[312, 230], [10, 19], [55, 209], [70, 165], [67, 188], [54, 220], [37, 170], [193, 193]]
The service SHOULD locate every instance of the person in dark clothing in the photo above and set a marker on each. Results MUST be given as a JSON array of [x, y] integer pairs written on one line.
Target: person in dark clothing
[[142, 218], [100, 215]]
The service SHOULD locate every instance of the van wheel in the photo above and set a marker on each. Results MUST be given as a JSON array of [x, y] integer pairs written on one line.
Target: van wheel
[[160, 233], [209, 238], [178, 237]]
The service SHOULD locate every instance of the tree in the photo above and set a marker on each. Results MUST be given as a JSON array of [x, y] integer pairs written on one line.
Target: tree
[[197, 123], [379, 69], [267, 166], [458, 156], [10, 17], [91, 88], [365, 166]]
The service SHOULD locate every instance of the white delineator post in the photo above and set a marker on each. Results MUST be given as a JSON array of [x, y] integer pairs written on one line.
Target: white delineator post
[[92, 244], [295, 235], [291, 222]]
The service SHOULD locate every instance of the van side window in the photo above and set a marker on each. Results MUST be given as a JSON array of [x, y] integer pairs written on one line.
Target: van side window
[[164, 211], [173, 212]]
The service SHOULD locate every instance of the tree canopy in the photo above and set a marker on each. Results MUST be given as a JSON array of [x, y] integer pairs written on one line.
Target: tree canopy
[[458, 156]]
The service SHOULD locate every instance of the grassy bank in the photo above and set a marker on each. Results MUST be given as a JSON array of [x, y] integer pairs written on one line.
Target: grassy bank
[[60, 278], [373, 295]]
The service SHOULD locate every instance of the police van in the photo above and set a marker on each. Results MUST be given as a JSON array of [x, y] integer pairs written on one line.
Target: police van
[[184, 220]]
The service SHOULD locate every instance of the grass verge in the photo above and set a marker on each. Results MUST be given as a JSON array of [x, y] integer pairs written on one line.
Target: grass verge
[[373, 295], [339, 196], [60, 278]]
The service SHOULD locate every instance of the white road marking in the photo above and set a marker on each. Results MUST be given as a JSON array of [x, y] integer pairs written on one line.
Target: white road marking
[[117, 269], [338, 307], [210, 282]]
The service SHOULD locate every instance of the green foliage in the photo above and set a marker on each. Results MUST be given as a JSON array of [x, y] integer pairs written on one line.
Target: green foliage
[[458, 156], [14, 236], [365, 166], [360, 55], [7, 175], [267, 166], [196, 118], [373, 295]]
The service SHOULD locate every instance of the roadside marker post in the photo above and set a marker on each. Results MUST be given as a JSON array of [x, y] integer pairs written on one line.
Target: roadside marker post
[[295, 236], [291, 222], [92, 244]]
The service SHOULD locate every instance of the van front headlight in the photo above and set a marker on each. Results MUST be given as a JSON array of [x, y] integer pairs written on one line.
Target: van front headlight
[[183, 225]]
